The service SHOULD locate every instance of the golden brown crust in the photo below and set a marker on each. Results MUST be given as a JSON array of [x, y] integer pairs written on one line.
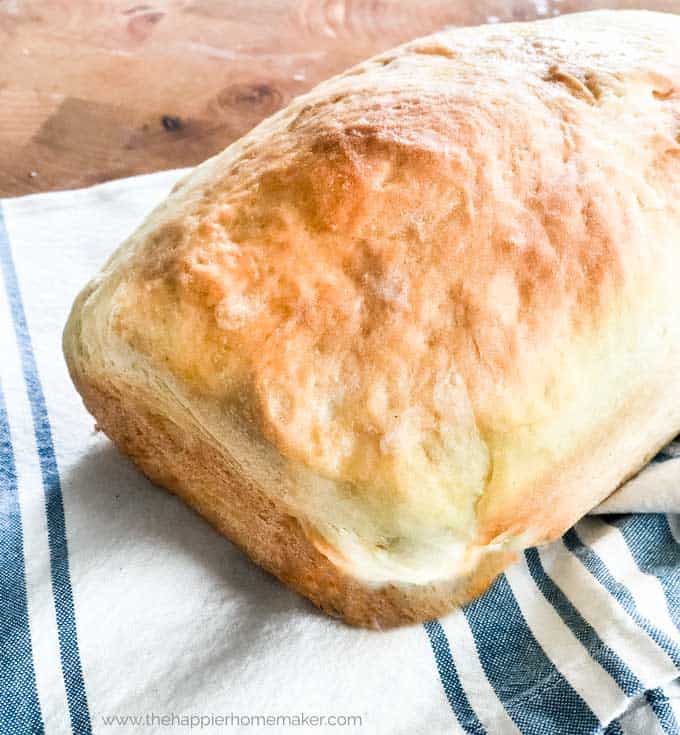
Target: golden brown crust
[[429, 311]]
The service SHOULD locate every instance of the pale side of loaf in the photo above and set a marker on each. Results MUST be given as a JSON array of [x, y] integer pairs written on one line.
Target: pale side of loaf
[[426, 316]]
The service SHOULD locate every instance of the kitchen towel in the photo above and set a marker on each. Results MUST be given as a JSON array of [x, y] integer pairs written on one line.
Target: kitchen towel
[[124, 612]]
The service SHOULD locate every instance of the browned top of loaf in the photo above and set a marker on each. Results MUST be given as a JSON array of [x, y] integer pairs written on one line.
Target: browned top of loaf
[[406, 271]]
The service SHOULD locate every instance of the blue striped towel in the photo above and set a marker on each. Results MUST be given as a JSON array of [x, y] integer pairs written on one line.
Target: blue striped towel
[[123, 612]]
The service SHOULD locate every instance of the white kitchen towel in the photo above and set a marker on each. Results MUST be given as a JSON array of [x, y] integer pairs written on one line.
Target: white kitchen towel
[[124, 612]]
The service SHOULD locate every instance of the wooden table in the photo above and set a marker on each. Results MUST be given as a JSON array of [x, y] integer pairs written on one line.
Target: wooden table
[[91, 91]]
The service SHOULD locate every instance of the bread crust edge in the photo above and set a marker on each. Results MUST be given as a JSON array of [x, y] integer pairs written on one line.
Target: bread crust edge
[[190, 467]]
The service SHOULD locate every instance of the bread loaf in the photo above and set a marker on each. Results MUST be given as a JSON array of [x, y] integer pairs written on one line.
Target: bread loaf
[[426, 316]]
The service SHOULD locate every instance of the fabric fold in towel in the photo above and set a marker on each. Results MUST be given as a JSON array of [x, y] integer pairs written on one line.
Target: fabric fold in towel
[[655, 489]]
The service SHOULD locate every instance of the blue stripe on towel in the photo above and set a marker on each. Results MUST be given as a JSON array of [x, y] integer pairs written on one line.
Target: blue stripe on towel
[[56, 524], [655, 551], [594, 564], [663, 710], [608, 659], [534, 693], [20, 713], [613, 728], [450, 681]]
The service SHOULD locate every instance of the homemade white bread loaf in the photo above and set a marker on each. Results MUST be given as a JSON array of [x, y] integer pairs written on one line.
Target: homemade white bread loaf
[[424, 317]]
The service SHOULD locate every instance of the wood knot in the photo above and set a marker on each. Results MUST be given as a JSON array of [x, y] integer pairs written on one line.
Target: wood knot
[[142, 18], [171, 123], [261, 97]]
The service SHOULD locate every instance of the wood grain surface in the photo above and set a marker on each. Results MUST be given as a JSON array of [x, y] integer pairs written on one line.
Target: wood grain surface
[[91, 91]]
